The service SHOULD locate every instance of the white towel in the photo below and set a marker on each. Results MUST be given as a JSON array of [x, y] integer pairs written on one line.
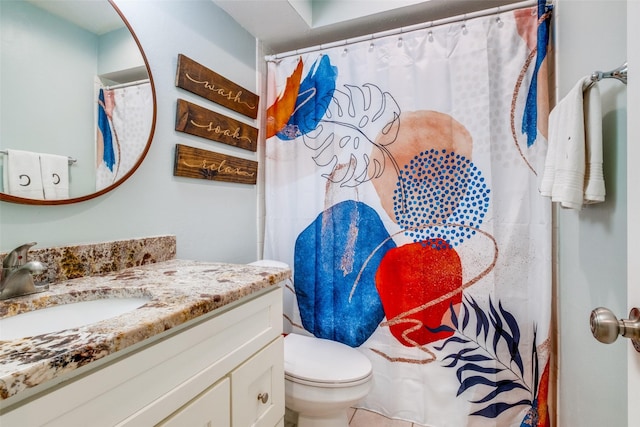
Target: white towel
[[21, 174], [55, 176], [573, 173]]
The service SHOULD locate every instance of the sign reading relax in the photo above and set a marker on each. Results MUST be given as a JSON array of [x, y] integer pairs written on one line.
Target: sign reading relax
[[193, 162]]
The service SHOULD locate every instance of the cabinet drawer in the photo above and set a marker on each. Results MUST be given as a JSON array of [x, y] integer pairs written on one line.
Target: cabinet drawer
[[211, 408], [257, 388]]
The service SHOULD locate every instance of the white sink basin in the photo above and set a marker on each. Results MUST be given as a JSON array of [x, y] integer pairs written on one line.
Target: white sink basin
[[65, 316]]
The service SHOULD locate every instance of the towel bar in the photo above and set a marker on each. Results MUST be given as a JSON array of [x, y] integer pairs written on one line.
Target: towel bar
[[71, 159], [619, 73]]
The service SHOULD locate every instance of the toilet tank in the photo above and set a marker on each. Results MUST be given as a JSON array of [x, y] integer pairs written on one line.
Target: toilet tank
[[290, 304]]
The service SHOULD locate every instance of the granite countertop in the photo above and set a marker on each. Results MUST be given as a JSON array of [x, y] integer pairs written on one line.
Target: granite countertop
[[179, 291]]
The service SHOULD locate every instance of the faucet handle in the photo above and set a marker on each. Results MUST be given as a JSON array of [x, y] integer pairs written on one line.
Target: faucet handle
[[18, 256]]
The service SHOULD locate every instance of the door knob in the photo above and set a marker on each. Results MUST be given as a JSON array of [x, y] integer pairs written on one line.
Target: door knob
[[606, 327]]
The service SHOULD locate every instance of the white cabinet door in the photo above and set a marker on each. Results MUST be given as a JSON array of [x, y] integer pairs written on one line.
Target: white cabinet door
[[257, 389], [211, 408]]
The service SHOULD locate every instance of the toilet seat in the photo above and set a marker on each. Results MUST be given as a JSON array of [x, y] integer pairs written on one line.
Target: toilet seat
[[324, 363], [269, 263]]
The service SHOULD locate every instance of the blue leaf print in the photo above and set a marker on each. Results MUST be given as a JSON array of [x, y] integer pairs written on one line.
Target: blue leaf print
[[452, 339], [501, 387], [441, 328], [314, 96], [534, 357], [497, 324], [473, 381], [493, 410], [482, 323], [465, 319], [477, 368], [515, 337], [479, 359], [460, 356], [454, 316]]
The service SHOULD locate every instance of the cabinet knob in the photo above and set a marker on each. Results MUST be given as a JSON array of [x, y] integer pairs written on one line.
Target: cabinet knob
[[263, 397]]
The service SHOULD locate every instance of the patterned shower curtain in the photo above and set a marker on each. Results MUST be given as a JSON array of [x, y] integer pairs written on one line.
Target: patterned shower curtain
[[125, 117], [402, 188]]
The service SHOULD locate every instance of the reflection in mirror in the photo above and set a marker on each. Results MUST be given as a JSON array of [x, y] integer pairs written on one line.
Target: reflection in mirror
[[77, 101]]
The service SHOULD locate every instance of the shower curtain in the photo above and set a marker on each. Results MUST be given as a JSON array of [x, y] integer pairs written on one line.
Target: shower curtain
[[401, 186], [123, 125]]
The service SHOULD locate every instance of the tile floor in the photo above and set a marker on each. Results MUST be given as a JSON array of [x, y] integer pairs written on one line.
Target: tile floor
[[364, 418]]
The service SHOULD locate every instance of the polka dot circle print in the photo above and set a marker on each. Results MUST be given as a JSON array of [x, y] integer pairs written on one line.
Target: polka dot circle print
[[441, 195]]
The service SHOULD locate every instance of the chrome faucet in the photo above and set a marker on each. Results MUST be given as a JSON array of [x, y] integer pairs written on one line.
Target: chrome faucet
[[17, 273]]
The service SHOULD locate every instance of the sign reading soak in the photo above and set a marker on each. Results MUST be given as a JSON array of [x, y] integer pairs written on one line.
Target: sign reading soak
[[208, 84], [203, 164], [197, 120]]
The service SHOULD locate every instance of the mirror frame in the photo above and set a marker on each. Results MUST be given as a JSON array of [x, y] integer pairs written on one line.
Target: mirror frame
[[15, 199]]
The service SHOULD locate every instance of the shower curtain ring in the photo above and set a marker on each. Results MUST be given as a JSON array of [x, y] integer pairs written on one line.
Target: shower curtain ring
[[498, 19]]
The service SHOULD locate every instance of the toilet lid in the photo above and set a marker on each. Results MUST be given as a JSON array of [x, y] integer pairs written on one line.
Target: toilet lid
[[323, 361], [269, 263]]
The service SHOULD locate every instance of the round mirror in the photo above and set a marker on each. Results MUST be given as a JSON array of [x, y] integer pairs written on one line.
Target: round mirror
[[77, 100]]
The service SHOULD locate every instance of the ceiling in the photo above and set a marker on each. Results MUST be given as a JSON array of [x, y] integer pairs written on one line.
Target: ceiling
[[98, 17], [286, 25]]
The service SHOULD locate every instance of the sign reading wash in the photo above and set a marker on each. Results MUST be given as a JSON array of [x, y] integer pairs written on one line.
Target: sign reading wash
[[208, 84]]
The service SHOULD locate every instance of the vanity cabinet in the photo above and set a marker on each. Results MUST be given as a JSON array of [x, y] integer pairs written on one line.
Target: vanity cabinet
[[211, 408], [225, 368], [252, 391]]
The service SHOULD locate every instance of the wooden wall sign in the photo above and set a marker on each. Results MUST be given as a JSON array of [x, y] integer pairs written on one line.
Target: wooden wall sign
[[196, 120], [203, 164], [204, 82]]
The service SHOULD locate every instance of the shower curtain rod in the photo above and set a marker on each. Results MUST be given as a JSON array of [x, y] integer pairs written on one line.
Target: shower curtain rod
[[403, 30], [135, 83]]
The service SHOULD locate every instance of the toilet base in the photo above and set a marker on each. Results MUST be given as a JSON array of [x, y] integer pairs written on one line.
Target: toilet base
[[336, 419]]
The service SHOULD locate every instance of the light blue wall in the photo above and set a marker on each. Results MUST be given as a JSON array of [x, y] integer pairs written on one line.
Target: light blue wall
[[118, 51], [329, 12], [212, 221], [590, 36], [47, 69]]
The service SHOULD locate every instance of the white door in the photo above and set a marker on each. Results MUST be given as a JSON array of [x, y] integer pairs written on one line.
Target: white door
[[633, 212], [633, 200]]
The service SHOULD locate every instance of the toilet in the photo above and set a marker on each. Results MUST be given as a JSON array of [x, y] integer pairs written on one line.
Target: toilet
[[323, 378]]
